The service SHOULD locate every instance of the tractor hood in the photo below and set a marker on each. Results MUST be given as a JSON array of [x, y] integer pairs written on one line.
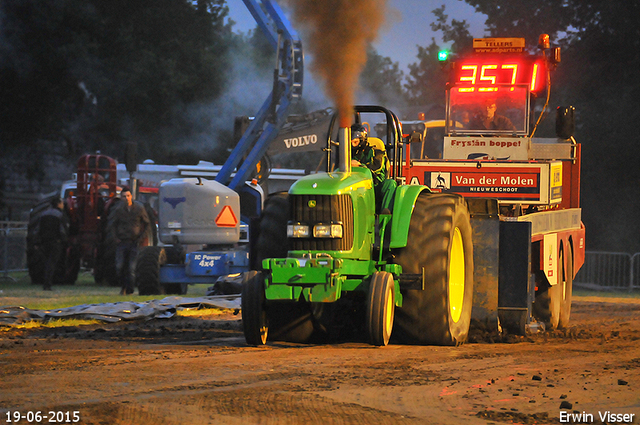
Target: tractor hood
[[336, 183], [326, 198]]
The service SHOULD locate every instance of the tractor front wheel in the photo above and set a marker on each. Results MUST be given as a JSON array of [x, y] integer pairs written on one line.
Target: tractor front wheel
[[380, 308], [254, 316]]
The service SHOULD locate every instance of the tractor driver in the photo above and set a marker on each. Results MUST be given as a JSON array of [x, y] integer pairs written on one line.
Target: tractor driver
[[489, 120], [364, 155], [372, 154]]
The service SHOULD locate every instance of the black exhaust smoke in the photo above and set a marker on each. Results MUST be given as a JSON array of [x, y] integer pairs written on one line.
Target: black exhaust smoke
[[337, 34]]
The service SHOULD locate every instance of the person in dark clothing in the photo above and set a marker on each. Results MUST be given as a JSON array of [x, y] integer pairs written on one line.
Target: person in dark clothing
[[365, 155], [130, 226], [372, 154], [53, 234], [489, 120]]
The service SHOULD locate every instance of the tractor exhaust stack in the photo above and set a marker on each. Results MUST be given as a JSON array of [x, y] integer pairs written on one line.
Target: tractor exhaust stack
[[344, 136]]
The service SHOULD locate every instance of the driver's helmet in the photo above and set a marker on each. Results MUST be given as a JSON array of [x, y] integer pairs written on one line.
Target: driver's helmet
[[359, 131]]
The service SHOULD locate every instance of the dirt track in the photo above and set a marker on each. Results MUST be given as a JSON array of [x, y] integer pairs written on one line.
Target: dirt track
[[199, 371]]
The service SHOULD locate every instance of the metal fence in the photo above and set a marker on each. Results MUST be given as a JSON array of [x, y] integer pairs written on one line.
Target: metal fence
[[610, 270], [13, 247]]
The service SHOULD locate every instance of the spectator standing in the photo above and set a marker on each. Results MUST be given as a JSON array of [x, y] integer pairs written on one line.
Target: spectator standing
[[130, 226], [53, 234]]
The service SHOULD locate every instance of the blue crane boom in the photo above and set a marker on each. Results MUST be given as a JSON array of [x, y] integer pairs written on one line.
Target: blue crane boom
[[287, 87]]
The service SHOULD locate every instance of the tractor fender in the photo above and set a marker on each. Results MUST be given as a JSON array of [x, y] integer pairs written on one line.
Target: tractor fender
[[403, 204]]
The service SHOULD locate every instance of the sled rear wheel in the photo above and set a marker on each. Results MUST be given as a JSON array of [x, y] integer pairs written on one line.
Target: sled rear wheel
[[565, 305]]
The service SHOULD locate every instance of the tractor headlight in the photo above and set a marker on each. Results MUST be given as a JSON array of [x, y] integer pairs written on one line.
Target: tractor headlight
[[333, 230], [297, 230]]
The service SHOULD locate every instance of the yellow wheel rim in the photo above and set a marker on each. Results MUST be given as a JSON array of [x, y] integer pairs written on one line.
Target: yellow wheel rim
[[388, 314], [264, 328], [456, 276], [263, 334]]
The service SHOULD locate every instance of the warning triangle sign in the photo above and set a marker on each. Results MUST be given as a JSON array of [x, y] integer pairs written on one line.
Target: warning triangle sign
[[226, 218]]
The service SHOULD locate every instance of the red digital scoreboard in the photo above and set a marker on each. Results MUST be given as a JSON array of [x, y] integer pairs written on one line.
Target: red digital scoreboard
[[501, 73], [499, 70], [501, 61]]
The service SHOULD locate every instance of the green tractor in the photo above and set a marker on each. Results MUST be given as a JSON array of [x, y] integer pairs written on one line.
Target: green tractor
[[328, 257]]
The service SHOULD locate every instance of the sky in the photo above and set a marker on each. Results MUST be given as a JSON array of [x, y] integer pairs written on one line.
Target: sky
[[407, 25]]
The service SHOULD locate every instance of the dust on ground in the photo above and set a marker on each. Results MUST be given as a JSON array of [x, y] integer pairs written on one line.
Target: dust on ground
[[199, 370]]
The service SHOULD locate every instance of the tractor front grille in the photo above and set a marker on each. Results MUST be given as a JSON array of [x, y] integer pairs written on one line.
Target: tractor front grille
[[314, 209]]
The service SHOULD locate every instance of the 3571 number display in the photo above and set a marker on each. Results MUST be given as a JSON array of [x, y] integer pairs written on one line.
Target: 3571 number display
[[495, 72]]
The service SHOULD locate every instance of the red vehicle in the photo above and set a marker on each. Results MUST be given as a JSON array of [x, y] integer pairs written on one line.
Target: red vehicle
[[526, 185], [87, 208]]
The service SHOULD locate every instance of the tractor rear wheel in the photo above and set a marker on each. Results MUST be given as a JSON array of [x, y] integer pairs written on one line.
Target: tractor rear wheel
[[254, 316], [35, 256], [565, 305], [288, 320], [150, 259], [291, 321], [105, 257], [439, 244], [272, 241], [72, 269], [381, 305]]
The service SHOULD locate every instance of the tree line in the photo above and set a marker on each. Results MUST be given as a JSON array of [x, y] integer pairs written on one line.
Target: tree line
[[94, 74]]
